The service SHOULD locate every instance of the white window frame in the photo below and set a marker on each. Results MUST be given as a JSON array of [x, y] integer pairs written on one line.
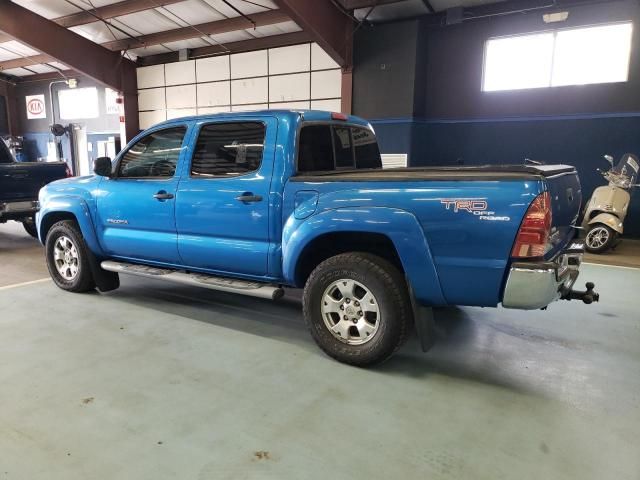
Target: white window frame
[[553, 54]]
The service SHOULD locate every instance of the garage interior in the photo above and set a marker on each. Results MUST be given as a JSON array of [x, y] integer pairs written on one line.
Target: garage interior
[[164, 381]]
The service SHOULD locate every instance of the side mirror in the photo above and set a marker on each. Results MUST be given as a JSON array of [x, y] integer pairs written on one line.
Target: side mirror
[[609, 159], [102, 166]]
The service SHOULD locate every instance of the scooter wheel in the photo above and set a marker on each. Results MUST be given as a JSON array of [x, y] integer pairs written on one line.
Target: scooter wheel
[[599, 238]]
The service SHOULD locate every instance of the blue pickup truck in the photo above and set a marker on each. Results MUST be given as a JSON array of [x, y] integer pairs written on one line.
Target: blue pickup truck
[[254, 202]]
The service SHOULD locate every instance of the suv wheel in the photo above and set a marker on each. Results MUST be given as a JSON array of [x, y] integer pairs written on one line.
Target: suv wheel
[[357, 308], [67, 258]]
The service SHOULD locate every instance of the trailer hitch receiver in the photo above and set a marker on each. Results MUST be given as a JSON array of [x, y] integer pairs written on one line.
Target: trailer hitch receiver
[[588, 296]]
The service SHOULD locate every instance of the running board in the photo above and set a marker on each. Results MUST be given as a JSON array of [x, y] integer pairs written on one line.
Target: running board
[[243, 287]]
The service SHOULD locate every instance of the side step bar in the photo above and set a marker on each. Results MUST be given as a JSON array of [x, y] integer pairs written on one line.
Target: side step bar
[[243, 287]]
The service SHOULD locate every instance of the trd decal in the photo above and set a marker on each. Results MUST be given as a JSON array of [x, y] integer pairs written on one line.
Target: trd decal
[[476, 206], [469, 204]]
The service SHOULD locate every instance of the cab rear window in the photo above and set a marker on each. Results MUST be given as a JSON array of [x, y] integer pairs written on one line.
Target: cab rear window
[[335, 147]]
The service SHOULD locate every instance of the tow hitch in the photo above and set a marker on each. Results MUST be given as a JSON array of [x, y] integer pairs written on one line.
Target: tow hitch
[[588, 296]]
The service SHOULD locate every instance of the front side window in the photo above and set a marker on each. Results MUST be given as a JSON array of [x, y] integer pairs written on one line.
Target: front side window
[[577, 56], [228, 149], [155, 155]]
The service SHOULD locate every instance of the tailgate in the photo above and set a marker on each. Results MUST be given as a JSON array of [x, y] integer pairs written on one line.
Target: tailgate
[[566, 198], [23, 181]]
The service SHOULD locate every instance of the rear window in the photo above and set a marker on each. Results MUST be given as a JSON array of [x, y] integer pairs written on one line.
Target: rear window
[[334, 147]]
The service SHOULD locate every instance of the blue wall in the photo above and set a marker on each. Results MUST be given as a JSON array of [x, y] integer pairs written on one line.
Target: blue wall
[[452, 121]]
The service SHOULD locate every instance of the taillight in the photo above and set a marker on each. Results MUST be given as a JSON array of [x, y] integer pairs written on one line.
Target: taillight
[[68, 171], [533, 236]]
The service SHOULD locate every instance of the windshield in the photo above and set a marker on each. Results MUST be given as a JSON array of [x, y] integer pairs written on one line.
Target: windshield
[[628, 167]]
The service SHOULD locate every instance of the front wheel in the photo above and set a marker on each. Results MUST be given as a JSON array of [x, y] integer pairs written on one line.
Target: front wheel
[[357, 308], [68, 258], [29, 225], [599, 238]]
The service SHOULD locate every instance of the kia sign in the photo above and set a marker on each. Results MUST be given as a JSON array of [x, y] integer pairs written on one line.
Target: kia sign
[[35, 107]]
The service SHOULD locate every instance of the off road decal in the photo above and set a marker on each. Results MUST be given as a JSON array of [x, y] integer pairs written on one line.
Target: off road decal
[[478, 207]]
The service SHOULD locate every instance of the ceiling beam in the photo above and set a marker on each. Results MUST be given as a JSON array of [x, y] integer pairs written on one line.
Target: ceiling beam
[[39, 77], [355, 4], [269, 17], [110, 11], [331, 28], [272, 41], [25, 61], [49, 38]]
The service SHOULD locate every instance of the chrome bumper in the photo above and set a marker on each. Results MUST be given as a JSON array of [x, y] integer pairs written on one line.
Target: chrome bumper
[[534, 285], [19, 207]]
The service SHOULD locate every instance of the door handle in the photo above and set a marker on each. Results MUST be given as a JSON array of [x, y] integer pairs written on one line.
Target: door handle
[[162, 195], [249, 197]]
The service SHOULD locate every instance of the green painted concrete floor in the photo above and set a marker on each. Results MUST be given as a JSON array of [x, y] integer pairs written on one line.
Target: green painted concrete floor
[[157, 381]]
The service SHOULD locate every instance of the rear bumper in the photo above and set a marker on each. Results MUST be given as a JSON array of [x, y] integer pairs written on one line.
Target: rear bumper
[[534, 285], [21, 209]]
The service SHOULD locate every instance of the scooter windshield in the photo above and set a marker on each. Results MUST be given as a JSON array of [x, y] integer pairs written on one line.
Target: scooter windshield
[[628, 166]]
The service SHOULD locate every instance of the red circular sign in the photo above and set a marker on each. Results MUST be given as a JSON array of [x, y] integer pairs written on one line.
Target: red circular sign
[[35, 106]]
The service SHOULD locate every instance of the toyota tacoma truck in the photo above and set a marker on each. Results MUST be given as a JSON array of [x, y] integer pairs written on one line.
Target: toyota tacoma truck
[[255, 202], [20, 184]]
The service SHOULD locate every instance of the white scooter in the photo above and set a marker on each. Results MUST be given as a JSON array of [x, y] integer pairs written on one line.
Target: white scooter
[[604, 214]]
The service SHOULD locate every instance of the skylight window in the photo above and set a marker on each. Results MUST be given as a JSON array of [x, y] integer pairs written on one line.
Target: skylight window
[[576, 56]]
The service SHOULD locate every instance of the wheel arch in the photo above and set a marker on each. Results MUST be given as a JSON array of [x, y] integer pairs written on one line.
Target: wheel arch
[[69, 208], [390, 233]]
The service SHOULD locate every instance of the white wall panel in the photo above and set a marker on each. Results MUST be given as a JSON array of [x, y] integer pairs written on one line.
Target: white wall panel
[[250, 90], [183, 96], [289, 105], [180, 73], [212, 69], [180, 112], [151, 99], [208, 110], [249, 64], [290, 59], [211, 94], [248, 108], [326, 84], [296, 77], [320, 60], [284, 88], [147, 119], [152, 76], [328, 105]]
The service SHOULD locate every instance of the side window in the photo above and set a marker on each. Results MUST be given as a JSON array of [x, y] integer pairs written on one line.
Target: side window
[[324, 148], [343, 147], [316, 149], [155, 155], [366, 148], [228, 149]]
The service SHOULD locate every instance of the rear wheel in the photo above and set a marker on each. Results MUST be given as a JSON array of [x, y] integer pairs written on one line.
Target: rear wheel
[[29, 225], [357, 308], [599, 238], [67, 258]]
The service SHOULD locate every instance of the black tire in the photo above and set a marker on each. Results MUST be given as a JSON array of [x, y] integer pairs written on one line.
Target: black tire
[[83, 279], [597, 245], [29, 225], [384, 282]]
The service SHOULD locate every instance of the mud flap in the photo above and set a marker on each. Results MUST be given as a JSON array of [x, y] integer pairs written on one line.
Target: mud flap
[[105, 281], [424, 322]]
